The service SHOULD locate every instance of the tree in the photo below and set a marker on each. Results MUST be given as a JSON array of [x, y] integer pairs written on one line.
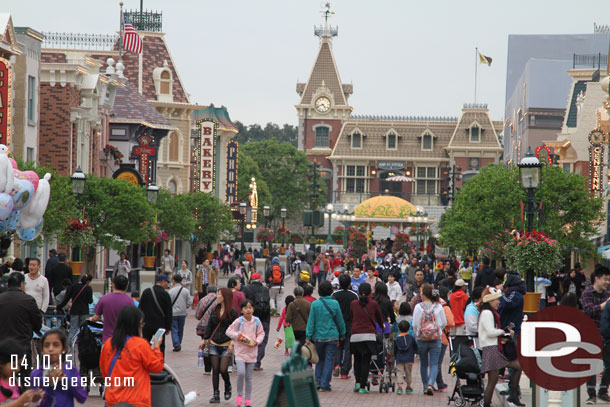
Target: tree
[[489, 203], [255, 132], [174, 215], [248, 169], [211, 216]]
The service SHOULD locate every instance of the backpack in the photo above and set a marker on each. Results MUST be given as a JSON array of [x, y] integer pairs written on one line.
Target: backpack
[[428, 329], [262, 303], [240, 324], [89, 348], [226, 258], [276, 275], [304, 275]]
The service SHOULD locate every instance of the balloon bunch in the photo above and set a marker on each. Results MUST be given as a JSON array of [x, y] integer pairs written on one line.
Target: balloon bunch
[[23, 198]]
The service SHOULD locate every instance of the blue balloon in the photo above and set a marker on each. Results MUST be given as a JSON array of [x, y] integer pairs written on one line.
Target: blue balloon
[[28, 235], [13, 220], [6, 205], [22, 192]]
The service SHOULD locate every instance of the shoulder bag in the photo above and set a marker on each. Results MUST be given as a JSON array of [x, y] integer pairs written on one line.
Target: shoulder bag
[[152, 289], [177, 296], [332, 316]]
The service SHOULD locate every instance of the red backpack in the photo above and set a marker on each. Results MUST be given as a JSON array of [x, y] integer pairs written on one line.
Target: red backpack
[[276, 275]]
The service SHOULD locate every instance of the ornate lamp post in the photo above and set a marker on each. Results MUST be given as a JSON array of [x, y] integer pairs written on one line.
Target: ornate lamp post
[[78, 182], [529, 177], [152, 193], [283, 216]]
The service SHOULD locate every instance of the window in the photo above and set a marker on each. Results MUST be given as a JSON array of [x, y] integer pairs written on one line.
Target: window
[[31, 100], [174, 145], [426, 180], [566, 168], [172, 187], [356, 140], [391, 141], [426, 142], [475, 133], [355, 178], [322, 137], [165, 82], [29, 154]]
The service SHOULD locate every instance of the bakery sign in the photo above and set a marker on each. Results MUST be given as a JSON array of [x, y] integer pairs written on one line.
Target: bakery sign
[[206, 154], [5, 101]]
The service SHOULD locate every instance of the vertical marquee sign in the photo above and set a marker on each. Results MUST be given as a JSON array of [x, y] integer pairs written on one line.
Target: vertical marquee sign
[[206, 154], [145, 151], [596, 158], [231, 191], [5, 101]]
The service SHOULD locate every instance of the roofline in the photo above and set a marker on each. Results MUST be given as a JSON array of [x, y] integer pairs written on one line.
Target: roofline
[[173, 104], [470, 148], [162, 35], [119, 120], [386, 158], [338, 138], [29, 32], [332, 58]]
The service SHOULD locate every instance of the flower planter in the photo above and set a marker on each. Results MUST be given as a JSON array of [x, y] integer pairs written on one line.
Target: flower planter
[[76, 267], [209, 256], [531, 302], [149, 262], [282, 250], [265, 252]]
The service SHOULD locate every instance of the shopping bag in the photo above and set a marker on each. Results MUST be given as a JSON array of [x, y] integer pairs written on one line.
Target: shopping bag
[[289, 335]]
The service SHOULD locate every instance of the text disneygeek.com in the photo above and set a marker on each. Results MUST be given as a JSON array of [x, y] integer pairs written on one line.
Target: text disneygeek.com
[[65, 382]]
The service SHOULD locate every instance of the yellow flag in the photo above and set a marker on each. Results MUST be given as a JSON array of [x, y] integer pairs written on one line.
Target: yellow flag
[[485, 60]]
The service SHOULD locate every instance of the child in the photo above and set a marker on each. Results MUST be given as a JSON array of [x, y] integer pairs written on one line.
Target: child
[[136, 297], [55, 344], [404, 314], [247, 332], [287, 301], [9, 395], [404, 352]]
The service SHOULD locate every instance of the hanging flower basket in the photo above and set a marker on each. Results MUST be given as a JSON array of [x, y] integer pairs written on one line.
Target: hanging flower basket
[[153, 235], [495, 247], [402, 241], [112, 151], [357, 244], [265, 234], [534, 251], [78, 234], [283, 235]]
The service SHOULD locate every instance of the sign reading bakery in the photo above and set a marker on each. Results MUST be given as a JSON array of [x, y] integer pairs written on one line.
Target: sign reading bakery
[[5, 101], [206, 154]]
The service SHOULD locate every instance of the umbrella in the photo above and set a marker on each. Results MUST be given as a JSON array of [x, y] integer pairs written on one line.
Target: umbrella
[[400, 178]]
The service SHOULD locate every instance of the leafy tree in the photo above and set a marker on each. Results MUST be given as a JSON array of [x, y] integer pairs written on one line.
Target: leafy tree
[[254, 132], [489, 203], [248, 169], [174, 215], [211, 217]]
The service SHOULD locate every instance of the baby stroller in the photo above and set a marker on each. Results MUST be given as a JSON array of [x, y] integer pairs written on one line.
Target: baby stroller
[[87, 347], [166, 389], [465, 364], [383, 365]]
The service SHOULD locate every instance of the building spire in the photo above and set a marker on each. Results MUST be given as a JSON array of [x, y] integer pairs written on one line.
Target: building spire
[[326, 32]]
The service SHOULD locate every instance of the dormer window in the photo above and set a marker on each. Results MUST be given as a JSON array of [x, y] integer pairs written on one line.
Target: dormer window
[[164, 83], [427, 141], [356, 140], [475, 134], [391, 141]]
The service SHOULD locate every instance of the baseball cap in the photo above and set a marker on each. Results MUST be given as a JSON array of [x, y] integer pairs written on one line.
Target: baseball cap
[[161, 277], [337, 273], [460, 283], [255, 276]]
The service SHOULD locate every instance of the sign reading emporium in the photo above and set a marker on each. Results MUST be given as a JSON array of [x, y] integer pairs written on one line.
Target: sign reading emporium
[[206, 155], [5, 101]]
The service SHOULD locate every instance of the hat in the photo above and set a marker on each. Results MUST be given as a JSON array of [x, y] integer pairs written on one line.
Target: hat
[[460, 283], [493, 295], [9, 259], [337, 273], [275, 260], [308, 351], [161, 277], [376, 273], [255, 277]]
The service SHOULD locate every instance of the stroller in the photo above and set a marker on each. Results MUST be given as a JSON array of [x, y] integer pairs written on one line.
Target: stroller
[[166, 389], [383, 365], [465, 364], [87, 347]]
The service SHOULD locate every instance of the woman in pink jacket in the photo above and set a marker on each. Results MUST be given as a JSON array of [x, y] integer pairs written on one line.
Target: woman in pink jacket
[[247, 332]]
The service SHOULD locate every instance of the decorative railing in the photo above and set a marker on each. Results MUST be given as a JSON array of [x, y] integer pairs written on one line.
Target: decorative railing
[[79, 41], [403, 118], [151, 21], [590, 60], [475, 106]]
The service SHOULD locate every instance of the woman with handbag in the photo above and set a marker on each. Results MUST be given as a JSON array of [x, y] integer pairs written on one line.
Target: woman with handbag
[[218, 344], [320, 267], [80, 295], [365, 313], [492, 340]]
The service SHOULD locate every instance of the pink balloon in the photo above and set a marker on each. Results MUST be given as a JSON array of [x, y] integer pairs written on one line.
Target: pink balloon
[[32, 177], [13, 163]]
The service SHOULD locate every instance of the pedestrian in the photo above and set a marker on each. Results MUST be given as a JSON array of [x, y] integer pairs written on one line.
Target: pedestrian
[[345, 296], [51, 262], [449, 281], [187, 276], [485, 276], [81, 295], [181, 301], [297, 314], [394, 288], [573, 283], [444, 302], [135, 296], [458, 300], [9, 396], [56, 275], [358, 279], [62, 294], [471, 314], [492, 338], [142, 360], [308, 293], [205, 307], [365, 313], [110, 305], [325, 329], [58, 368], [594, 300], [122, 267], [511, 303], [234, 284], [371, 278], [404, 352], [283, 323], [247, 333], [274, 277], [259, 295], [219, 344], [414, 291], [168, 263], [202, 278], [37, 285], [226, 261], [156, 305], [428, 323]]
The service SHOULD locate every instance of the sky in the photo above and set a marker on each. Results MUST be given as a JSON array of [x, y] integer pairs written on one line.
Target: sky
[[403, 57]]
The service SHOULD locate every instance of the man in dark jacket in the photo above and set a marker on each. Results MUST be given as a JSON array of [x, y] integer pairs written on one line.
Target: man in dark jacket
[[486, 276], [511, 303], [449, 281], [58, 274], [259, 294], [81, 295], [345, 296], [157, 314], [20, 316]]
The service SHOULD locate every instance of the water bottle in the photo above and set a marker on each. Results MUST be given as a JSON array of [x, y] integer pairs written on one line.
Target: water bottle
[[200, 359]]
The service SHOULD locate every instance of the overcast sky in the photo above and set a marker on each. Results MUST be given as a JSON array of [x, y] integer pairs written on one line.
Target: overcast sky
[[404, 57]]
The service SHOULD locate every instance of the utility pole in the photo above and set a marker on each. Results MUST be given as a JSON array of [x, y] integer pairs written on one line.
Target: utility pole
[[313, 204]]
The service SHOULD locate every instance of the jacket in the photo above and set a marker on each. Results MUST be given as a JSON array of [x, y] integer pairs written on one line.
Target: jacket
[[604, 323], [485, 277], [253, 329], [441, 319], [251, 291], [220, 336], [450, 323], [345, 298], [205, 307], [405, 348], [324, 326], [62, 395], [81, 305], [363, 322], [488, 332], [471, 319], [394, 291], [20, 316], [511, 308], [181, 299], [458, 300], [57, 275], [153, 318], [294, 317]]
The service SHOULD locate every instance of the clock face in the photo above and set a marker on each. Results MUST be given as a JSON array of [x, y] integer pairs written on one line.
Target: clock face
[[596, 137], [322, 104]]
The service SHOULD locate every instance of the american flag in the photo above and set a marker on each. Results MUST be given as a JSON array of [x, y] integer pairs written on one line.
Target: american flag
[[131, 39]]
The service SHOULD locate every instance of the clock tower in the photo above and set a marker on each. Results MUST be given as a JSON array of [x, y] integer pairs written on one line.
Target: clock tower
[[323, 106]]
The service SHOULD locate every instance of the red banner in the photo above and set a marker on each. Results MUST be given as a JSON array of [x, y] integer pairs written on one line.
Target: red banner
[[5, 101]]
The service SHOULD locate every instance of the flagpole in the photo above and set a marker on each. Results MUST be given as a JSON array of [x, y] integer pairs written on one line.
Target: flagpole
[[121, 33], [476, 67]]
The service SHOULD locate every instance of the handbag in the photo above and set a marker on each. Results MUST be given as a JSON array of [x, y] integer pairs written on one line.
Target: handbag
[[71, 302], [309, 352], [289, 336], [316, 268], [510, 350]]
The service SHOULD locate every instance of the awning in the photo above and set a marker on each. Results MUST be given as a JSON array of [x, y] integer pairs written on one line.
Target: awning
[[602, 249]]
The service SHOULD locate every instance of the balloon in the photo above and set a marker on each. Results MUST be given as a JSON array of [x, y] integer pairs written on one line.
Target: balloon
[[32, 177], [33, 212], [6, 170], [30, 234], [13, 219], [13, 163], [5, 225], [23, 192], [6, 206]]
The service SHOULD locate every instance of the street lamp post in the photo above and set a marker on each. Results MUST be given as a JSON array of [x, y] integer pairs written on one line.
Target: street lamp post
[[329, 214], [152, 193], [529, 176], [78, 182], [283, 216], [266, 211], [243, 210]]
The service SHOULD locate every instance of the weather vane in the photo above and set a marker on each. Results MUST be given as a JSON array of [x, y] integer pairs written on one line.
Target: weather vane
[[327, 12]]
